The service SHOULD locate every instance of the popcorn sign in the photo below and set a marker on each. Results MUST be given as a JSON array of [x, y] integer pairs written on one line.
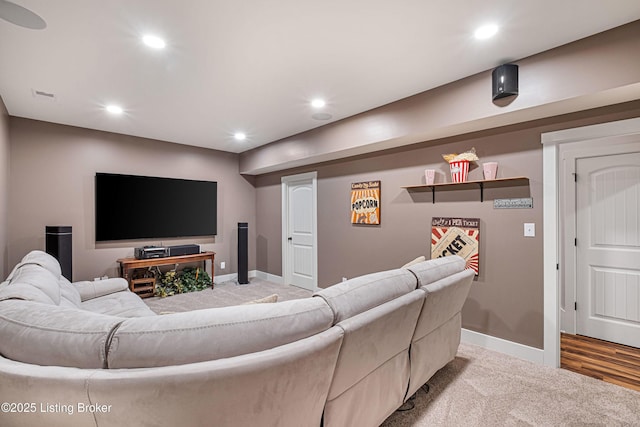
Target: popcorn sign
[[365, 203]]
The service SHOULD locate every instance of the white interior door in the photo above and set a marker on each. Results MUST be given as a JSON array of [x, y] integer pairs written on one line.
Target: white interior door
[[608, 248], [299, 231]]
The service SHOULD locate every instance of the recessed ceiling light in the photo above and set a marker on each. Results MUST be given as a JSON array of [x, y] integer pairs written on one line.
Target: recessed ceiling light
[[154, 42], [20, 16], [239, 136], [486, 31], [114, 109], [318, 103]]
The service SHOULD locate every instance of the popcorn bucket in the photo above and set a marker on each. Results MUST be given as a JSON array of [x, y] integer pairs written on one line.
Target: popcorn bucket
[[459, 170]]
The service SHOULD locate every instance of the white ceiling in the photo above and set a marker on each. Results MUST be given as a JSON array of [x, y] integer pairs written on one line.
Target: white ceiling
[[254, 66]]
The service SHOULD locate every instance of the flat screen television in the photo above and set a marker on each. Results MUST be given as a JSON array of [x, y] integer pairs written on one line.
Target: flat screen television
[[143, 207]]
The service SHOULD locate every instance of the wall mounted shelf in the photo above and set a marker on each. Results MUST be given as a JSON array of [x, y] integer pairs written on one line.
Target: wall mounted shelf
[[489, 183]]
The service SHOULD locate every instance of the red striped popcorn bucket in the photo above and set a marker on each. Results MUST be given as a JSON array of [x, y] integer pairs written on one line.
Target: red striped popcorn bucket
[[459, 170]]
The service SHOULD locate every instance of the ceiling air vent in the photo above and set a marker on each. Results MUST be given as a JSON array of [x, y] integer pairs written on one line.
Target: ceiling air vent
[[43, 96]]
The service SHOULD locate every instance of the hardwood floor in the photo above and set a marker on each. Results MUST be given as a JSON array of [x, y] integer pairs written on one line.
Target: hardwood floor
[[610, 362]]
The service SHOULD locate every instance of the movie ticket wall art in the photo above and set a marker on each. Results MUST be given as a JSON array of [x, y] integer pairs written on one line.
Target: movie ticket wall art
[[365, 203], [456, 236]]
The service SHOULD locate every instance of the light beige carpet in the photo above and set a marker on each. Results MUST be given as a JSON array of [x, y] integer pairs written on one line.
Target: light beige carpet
[[225, 294], [485, 388], [479, 388]]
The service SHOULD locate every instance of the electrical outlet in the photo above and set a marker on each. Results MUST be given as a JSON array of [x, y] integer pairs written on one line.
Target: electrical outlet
[[529, 229], [222, 265], [344, 279]]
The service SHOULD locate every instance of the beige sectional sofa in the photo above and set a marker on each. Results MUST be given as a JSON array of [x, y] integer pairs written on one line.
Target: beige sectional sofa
[[93, 354]]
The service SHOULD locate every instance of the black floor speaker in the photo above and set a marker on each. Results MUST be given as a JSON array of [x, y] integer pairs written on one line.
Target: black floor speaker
[[243, 253], [58, 244]]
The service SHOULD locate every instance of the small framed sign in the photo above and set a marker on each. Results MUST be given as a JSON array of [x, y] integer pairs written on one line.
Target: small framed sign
[[522, 203], [365, 203]]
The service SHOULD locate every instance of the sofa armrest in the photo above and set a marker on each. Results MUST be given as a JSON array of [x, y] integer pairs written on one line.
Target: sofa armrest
[[98, 288]]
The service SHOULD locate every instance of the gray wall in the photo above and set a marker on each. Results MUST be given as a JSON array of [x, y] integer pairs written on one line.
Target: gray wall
[[4, 187], [52, 176], [593, 72], [506, 300]]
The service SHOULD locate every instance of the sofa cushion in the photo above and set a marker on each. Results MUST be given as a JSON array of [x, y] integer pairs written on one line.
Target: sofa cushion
[[445, 298], [44, 260], [372, 371], [215, 333], [33, 283], [285, 386], [38, 278], [122, 304], [421, 258], [359, 294], [437, 334], [373, 337], [435, 269], [48, 335], [40, 258], [69, 295], [23, 291], [98, 288]]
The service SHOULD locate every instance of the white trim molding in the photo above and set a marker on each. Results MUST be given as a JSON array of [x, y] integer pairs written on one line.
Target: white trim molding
[[551, 327], [270, 277], [500, 345]]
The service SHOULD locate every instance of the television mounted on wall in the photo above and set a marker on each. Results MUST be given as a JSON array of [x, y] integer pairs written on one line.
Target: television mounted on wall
[[130, 207]]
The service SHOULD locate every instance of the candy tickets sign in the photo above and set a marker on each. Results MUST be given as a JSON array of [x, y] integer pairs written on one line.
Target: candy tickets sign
[[456, 236], [365, 203]]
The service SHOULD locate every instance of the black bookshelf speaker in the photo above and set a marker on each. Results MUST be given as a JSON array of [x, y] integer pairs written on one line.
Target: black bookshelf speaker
[[505, 81], [58, 245], [243, 253]]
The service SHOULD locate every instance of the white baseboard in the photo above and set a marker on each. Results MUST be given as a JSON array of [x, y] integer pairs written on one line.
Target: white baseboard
[[269, 277], [219, 278], [252, 273], [500, 345]]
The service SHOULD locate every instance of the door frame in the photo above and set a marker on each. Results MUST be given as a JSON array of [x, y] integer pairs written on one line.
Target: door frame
[[286, 181], [556, 151]]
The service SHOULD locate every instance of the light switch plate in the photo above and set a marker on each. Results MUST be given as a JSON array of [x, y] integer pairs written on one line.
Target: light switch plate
[[529, 229]]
